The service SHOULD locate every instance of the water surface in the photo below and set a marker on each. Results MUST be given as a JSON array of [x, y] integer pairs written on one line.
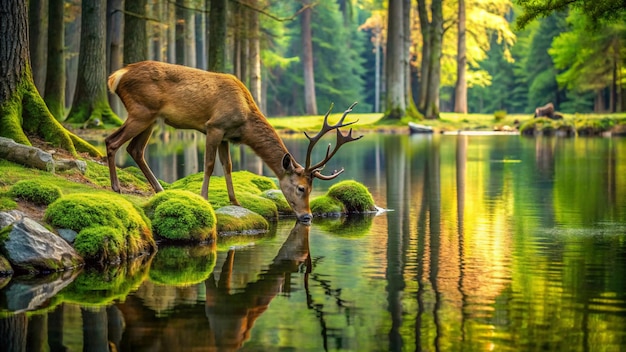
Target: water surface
[[493, 243]]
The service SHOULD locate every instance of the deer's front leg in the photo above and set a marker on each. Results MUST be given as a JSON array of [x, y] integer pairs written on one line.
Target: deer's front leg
[[213, 140], [224, 152]]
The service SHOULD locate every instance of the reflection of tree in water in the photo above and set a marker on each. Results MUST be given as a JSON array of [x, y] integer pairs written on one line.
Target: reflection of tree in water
[[343, 306]]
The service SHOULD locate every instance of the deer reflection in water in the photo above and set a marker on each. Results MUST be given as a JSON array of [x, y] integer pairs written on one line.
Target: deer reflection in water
[[232, 315]]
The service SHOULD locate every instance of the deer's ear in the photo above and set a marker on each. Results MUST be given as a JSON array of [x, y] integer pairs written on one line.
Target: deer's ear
[[287, 164]]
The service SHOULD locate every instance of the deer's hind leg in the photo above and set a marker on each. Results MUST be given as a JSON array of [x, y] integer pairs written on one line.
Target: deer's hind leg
[[129, 130], [136, 149]]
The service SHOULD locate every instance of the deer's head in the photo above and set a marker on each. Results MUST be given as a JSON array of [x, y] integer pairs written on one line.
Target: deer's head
[[297, 181]]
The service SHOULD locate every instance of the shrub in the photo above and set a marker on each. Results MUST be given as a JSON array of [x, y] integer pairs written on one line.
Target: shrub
[[37, 192], [499, 115]]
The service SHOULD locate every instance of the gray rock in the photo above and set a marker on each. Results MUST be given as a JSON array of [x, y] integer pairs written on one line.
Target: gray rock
[[68, 235], [31, 247], [235, 211], [30, 293], [68, 164], [9, 217]]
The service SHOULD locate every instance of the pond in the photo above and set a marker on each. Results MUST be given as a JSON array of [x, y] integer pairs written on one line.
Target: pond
[[500, 243]]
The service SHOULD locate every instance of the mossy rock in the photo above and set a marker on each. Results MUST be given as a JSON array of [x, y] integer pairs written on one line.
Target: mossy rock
[[327, 206], [5, 267], [355, 197], [238, 220], [108, 226], [248, 189], [183, 266], [277, 196], [36, 192], [182, 216]]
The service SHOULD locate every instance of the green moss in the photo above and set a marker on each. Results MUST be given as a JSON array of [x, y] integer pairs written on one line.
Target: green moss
[[499, 115], [183, 266], [105, 211], [180, 215], [248, 188], [354, 196], [326, 206], [99, 175], [227, 224], [103, 244], [36, 191], [7, 203], [279, 200]]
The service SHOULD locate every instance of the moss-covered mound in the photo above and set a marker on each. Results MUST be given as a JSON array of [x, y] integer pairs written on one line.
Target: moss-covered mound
[[327, 206], [7, 203], [183, 266], [248, 190], [344, 197], [237, 220], [109, 227], [36, 191], [547, 127], [179, 215], [276, 196]]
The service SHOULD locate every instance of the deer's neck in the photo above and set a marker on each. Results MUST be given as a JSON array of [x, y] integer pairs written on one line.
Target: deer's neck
[[263, 139]]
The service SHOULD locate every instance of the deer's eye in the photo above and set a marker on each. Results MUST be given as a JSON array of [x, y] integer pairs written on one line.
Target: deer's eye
[[301, 189]]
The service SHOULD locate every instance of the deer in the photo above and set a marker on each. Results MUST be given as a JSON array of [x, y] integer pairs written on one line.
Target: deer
[[220, 106]]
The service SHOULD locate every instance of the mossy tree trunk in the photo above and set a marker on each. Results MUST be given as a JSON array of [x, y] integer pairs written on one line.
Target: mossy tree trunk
[[22, 110], [90, 98]]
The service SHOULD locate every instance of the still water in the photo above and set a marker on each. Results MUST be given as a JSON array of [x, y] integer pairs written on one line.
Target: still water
[[499, 243]]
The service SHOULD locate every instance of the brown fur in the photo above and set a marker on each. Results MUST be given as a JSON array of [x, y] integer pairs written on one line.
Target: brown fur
[[216, 104]]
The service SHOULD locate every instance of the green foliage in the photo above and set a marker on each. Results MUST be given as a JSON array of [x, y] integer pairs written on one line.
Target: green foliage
[[36, 191], [499, 115], [7, 203], [354, 196], [180, 215], [182, 266], [327, 206], [596, 12]]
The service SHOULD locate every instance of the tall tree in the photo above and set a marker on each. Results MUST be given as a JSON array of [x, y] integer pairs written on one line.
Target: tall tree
[[310, 99], [217, 35], [90, 99], [54, 93], [255, 57], [189, 36], [460, 91], [432, 32], [22, 110], [115, 46], [395, 69], [37, 24], [136, 44]]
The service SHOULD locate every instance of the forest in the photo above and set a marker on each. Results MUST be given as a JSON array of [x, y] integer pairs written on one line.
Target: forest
[[397, 57]]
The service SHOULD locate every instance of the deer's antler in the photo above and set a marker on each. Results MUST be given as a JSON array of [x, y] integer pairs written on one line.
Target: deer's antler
[[341, 140]]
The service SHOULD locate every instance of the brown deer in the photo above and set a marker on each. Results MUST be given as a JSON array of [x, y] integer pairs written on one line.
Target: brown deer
[[221, 107]]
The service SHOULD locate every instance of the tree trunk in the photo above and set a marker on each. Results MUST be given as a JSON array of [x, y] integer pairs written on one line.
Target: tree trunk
[[460, 91], [180, 32], [90, 100], [255, 59], [115, 44], [310, 100], [37, 27], [406, 29], [171, 32], [395, 74], [189, 34], [425, 66], [54, 93], [217, 35], [432, 102], [136, 47], [72, 46], [21, 107]]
